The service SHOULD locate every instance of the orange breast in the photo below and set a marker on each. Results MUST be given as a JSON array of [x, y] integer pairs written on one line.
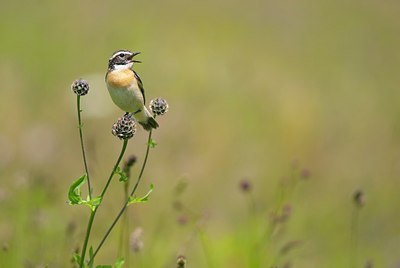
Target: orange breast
[[120, 78]]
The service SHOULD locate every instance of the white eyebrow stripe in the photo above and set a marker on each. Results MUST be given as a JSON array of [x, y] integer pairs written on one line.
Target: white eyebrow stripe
[[120, 52]]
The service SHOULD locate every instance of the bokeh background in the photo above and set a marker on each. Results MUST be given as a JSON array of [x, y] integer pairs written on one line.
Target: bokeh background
[[263, 91]]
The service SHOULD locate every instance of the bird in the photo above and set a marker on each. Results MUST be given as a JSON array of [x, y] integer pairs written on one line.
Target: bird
[[126, 88]]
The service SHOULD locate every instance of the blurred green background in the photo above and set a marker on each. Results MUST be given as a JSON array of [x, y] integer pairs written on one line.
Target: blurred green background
[[258, 90]]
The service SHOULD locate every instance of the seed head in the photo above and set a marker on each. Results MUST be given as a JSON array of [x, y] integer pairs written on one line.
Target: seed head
[[125, 127], [305, 174], [245, 185], [369, 264], [182, 220], [80, 87], [129, 162], [282, 216], [181, 261], [135, 241], [5, 247], [359, 198], [158, 106]]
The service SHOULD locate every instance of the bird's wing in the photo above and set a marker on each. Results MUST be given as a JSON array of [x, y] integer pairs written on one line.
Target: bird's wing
[[140, 83]]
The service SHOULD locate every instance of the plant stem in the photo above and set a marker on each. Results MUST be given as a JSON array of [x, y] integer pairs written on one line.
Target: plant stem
[[85, 243], [127, 200], [78, 105], [92, 215], [206, 249], [124, 225], [354, 238]]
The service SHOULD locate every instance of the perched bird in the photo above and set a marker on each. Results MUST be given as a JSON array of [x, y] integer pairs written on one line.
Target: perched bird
[[126, 87]]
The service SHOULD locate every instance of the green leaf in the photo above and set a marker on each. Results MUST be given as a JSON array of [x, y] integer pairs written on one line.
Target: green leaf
[[143, 199], [90, 265], [90, 252], [122, 175], [74, 193], [119, 263], [152, 143], [92, 203], [77, 258]]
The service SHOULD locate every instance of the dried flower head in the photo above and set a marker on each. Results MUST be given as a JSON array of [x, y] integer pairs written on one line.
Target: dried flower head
[[135, 240], [80, 87], [369, 264], [282, 216], [359, 198], [128, 164], [182, 220], [5, 247], [245, 185], [305, 173], [158, 106], [125, 127], [130, 161], [181, 261]]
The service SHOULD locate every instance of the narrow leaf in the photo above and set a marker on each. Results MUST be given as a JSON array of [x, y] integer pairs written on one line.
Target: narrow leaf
[[143, 199], [74, 193], [91, 265], [119, 263]]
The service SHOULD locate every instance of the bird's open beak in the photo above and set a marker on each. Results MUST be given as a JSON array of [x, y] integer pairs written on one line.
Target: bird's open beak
[[133, 55]]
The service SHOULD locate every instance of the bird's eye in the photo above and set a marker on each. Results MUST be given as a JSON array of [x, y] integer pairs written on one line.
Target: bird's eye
[[121, 55]]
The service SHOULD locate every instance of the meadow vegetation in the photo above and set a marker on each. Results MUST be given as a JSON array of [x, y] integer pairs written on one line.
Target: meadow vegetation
[[281, 147]]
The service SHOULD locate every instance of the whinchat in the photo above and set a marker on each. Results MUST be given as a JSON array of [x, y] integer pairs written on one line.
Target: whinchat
[[126, 87]]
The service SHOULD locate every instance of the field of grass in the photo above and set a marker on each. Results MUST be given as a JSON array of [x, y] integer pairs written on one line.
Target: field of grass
[[298, 98]]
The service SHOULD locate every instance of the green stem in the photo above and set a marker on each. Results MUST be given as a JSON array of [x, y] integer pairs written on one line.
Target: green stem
[[85, 243], [78, 102], [92, 215], [354, 238], [204, 245], [124, 224], [127, 200]]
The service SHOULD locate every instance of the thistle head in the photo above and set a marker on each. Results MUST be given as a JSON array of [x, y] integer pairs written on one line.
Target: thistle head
[[158, 106], [125, 127], [80, 87]]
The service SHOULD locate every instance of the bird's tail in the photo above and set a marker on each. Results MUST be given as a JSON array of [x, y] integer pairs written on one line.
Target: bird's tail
[[146, 119]]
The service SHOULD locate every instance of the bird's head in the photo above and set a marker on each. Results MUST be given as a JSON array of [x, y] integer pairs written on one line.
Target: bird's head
[[122, 59]]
